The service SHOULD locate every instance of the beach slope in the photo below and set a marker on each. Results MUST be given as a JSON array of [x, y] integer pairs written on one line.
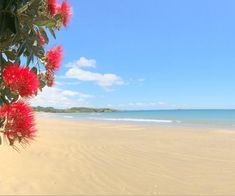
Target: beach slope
[[101, 158]]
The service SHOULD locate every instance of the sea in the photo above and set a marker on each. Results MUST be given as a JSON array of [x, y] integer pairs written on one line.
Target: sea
[[183, 118]]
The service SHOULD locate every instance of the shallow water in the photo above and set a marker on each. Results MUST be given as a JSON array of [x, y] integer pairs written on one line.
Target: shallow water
[[191, 118]]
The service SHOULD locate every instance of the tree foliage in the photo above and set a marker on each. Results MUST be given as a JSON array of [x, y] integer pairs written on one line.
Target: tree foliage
[[24, 31]]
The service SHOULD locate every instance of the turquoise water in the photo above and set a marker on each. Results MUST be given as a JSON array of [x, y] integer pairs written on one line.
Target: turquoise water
[[198, 118]]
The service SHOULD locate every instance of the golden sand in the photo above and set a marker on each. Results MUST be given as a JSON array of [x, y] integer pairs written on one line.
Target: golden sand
[[97, 158]]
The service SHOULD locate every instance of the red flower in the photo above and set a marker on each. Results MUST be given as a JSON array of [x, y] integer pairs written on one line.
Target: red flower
[[41, 39], [50, 78], [21, 80], [52, 6], [66, 11], [54, 58], [19, 122]]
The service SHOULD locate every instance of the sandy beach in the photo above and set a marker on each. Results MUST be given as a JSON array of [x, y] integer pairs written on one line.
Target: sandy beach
[[98, 158]]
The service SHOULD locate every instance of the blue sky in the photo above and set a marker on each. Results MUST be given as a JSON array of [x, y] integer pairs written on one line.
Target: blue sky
[[146, 54]]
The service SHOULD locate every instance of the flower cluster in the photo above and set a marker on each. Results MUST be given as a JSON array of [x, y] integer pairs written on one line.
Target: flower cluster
[[64, 10], [53, 62], [19, 124], [21, 80], [52, 7], [54, 58]]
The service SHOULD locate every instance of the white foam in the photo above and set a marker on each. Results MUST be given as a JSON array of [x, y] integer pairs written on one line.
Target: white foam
[[44, 115], [135, 120], [68, 116]]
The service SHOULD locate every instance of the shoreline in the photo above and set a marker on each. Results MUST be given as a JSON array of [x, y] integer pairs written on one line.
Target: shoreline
[[157, 124]]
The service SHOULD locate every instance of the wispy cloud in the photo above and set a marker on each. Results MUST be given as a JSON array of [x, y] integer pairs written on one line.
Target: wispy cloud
[[106, 80], [59, 98], [66, 83]]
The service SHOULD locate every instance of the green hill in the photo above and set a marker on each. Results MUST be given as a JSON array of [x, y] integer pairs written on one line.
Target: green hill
[[72, 110]]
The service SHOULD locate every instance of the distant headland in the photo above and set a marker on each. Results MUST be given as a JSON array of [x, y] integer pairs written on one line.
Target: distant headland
[[72, 110]]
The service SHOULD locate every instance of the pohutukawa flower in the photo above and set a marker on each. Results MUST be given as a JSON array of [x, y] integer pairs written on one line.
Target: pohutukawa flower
[[52, 7], [21, 80], [54, 58], [20, 123], [41, 39], [66, 11]]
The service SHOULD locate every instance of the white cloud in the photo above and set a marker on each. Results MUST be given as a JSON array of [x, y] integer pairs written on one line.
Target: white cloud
[[83, 62], [104, 80], [69, 93], [66, 83], [59, 98]]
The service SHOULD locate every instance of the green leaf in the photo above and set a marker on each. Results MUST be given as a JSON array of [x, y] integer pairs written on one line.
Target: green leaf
[[47, 22], [10, 55], [41, 23], [30, 58], [21, 49], [52, 32], [16, 20], [51, 24], [34, 70], [42, 84], [42, 80]]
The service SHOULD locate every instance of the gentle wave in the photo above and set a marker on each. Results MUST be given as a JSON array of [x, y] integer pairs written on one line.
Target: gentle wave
[[68, 117], [136, 120], [45, 115]]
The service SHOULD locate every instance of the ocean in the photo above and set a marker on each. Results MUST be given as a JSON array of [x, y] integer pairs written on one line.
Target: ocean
[[185, 118]]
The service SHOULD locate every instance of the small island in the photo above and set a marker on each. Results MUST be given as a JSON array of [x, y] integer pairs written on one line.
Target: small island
[[73, 110]]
